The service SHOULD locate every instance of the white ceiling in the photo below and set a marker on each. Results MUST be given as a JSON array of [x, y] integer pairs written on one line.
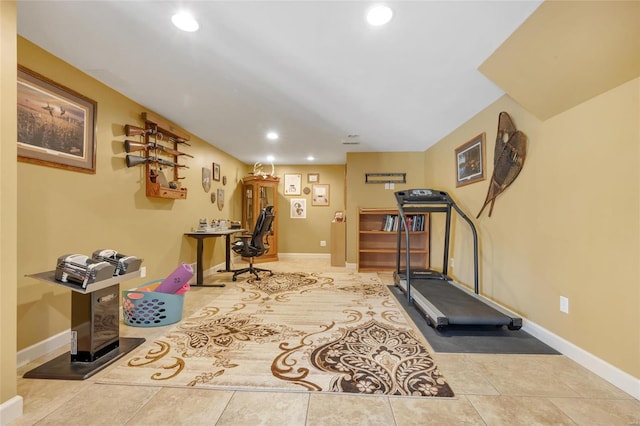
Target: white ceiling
[[314, 71]]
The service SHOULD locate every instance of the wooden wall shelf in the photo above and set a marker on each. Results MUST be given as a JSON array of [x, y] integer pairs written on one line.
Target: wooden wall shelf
[[156, 190]]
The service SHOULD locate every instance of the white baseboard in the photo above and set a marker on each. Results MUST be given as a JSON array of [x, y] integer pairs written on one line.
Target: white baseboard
[[213, 270], [312, 255], [608, 372], [304, 255], [10, 410], [35, 351], [283, 256]]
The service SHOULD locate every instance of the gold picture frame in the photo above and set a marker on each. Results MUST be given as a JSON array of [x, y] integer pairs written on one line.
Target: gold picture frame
[[320, 194], [313, 177], [471, 161]]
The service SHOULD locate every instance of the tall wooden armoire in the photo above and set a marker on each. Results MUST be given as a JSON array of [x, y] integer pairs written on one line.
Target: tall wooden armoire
[[258, 193]]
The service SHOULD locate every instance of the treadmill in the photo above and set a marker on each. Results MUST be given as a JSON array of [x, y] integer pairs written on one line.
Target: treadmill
[[442, 300]]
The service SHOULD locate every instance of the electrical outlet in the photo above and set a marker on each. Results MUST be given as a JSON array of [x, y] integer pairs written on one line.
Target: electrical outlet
[[452, 262], [323, 243], [143, 272], [564, 304]]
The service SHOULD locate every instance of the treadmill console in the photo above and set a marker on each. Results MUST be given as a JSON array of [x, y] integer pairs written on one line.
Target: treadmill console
[[421, 196]]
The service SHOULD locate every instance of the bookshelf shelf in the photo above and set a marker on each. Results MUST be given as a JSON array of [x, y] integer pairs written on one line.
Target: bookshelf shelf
[[377, 247]]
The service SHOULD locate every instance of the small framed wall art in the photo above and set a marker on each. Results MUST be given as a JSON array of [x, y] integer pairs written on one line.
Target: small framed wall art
[[298, 208], [313, 177], [292, 184], [216, 172], [320, 195], [470, 161]]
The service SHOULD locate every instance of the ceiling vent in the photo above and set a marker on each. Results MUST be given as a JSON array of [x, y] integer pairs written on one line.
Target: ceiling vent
[[351, 140]]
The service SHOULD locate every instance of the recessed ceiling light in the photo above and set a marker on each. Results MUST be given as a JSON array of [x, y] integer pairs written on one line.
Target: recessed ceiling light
[[185, 22], [272, 136], [379, 15], [310, 158], [270, 158]]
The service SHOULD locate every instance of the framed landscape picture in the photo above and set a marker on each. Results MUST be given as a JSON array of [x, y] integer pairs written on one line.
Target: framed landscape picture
[[56, 125]]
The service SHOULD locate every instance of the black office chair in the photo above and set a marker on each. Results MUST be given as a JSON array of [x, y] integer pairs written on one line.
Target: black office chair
[[256, 244]]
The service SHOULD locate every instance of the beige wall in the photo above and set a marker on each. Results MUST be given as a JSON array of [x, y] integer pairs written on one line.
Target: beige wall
[[568, 226], [362, 195], [304, 235], [8, 211], [65, 212]]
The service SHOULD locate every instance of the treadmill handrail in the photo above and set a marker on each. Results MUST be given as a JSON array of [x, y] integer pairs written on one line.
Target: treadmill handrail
[[431, 201], [476, 286]]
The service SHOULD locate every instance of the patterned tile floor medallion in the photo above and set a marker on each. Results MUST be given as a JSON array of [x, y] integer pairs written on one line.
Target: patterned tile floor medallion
[[329, 332]]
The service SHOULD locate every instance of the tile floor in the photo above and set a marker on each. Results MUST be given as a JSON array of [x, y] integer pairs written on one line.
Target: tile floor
[[490, 390]]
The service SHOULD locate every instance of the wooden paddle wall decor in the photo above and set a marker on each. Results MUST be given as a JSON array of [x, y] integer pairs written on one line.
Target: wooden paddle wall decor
[[509, 155]]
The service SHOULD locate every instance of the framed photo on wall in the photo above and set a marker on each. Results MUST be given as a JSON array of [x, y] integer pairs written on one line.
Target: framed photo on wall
[[292, 184], [313, 177], [470, 161], [320, 195], [56, 125], [216, 172], [298, 208]]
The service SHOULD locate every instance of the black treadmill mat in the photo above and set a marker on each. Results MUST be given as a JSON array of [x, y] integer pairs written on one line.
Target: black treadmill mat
[[473, 339]]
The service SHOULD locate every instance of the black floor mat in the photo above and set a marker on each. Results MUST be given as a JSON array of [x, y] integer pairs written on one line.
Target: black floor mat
[[474, 339]]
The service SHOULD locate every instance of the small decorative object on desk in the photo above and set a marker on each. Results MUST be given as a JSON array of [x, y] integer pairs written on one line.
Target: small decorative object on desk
[[235, 224], [202, 225], [220, 225]]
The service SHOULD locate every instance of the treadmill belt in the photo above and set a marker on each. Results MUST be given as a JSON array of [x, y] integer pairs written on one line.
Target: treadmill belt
[[456, 305]]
